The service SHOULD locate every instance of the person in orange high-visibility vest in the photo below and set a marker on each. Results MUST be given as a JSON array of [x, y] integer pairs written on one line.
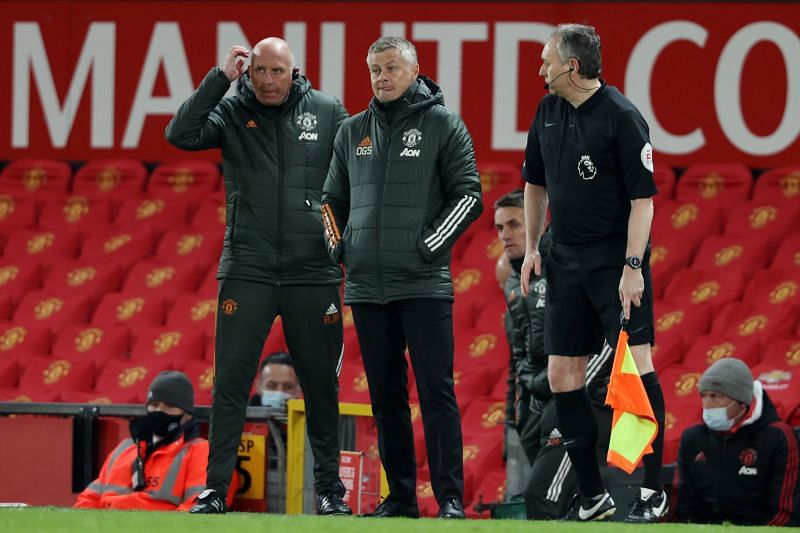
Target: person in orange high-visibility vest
[[162, 467]]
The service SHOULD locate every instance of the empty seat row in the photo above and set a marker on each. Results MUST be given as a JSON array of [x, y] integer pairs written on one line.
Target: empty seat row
[[107, 178]]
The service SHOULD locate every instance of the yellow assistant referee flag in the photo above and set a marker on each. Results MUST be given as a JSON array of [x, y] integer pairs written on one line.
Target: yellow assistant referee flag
[[634, 426]]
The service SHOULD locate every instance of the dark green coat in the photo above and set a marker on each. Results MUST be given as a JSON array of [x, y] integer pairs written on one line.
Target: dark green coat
[[275, 160], [401, 189]]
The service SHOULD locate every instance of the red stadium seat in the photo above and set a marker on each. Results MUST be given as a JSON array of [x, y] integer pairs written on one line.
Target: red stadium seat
[[90, 342], [782, 353], [168, 347], [201, 373], [687, 222], [9, 373], [47, 246], [689, 286], [17, 278], [499, 390], [667, 256], [492, 316], [54, 312], [353, 385], [153, 276], [680, 321], [90, 278], [708, 349], [472, 286], [210, 214], [190, 180], [738, 321], [729, 252], [18, 396], [181, 245], [484, 416], [773, 287], [40, 176], [109, 245], [17, 212], [193, 311], [43, 374], [134, 310], [6, 307], [683, 407], [125, 381], [788, 254], [481, 454], [664, 178], [209, 287], [770, 223], [724, 184], [778, 185], [20, 342], [666, 353], [78, 212], [483, 251], [497, 179], [110, 178], [158, 214], [481, 348]]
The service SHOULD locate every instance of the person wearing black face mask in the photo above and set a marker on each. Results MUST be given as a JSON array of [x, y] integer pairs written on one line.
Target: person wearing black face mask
[[162, 467], [740, 464]]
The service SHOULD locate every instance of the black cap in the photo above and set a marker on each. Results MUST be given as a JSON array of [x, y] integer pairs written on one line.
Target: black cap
[[174, 388]]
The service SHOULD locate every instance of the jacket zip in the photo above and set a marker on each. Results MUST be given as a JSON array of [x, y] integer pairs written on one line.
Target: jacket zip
[[280, 201], [379, 269]]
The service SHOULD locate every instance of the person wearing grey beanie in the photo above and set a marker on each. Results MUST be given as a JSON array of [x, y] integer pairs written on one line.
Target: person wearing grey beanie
[[741, 464], [727, 390]]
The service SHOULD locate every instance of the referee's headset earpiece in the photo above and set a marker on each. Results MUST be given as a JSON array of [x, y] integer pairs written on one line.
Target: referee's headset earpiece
[[295, 73]]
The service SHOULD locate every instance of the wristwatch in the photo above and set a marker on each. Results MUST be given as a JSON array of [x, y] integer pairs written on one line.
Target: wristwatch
[[634, 262]]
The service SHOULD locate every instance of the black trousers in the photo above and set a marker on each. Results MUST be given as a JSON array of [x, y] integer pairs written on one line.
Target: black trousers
[[426, 326], [553, 482], [312, 325]]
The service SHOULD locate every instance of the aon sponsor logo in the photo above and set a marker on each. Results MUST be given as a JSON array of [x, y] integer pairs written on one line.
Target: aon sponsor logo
[[364, 150], [748, 471], [410, 152], [308, 136]]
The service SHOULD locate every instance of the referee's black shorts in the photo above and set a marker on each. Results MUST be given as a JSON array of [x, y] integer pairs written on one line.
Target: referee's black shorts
[[583, 306]]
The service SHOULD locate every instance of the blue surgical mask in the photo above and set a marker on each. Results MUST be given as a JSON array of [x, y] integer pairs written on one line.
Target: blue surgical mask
[[716, 418], [274, 398]]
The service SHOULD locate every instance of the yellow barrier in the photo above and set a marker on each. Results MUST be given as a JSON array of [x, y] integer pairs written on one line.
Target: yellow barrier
[[295, 450]]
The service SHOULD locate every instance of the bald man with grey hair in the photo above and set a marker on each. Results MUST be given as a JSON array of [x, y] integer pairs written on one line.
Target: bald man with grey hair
[[276, 137]]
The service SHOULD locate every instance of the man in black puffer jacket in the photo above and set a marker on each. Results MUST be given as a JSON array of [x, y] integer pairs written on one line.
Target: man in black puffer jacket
[[552, 480], [276, 136], [401, 189], [740, 464]]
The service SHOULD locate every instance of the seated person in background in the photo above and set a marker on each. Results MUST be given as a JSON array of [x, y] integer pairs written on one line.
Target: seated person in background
[[740, 464], [162, 467], [277, 381]]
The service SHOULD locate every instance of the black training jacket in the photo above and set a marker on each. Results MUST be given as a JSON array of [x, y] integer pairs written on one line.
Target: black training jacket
[[402, 187], [275, 160]]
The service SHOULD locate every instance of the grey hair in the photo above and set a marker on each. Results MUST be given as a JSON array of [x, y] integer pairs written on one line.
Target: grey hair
[[582, 43], [407, 49]]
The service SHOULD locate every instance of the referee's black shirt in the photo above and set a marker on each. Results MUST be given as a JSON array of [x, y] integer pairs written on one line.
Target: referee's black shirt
[[593, 160]]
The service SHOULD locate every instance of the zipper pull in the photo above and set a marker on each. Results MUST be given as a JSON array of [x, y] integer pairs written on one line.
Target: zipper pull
[[308, 202]]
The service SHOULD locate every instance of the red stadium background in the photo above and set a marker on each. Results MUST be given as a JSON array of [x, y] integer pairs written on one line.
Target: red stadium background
[[717, 82]]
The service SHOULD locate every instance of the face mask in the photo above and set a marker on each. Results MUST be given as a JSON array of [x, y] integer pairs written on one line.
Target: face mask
[[716, 418], [274, 398], [164, 425]]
